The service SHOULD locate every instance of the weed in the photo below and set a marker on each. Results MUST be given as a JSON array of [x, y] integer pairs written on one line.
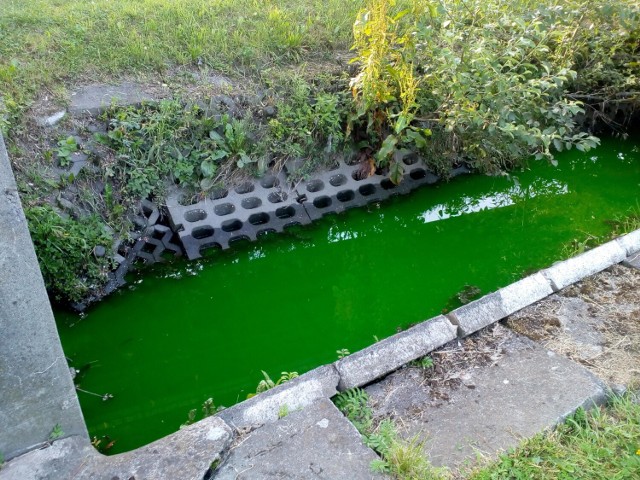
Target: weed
[[103, 444], [307, 123], [343, 352], [66, 147], [267, 384], [64, 247], [283, 411], [353, 404], [603, 442], [404, 459], [208, 409], [56, 432], [425, 363]]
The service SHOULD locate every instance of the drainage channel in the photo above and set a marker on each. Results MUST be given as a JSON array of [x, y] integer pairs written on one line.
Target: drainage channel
[[187, 331]]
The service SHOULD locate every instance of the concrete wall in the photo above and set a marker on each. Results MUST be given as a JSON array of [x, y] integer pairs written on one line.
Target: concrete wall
[[36, 389]]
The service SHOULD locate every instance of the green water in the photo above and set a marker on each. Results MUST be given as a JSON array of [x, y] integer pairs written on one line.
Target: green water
[[192, 330]]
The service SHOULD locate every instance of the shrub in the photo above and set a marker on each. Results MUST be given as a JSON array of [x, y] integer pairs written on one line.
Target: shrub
[[64, 247], [494, 81]]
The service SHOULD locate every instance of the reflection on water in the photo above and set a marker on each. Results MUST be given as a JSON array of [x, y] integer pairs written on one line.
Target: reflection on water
[[514, 194]]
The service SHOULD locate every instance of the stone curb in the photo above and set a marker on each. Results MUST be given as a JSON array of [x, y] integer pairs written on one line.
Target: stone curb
[[294, 394], [385, 356], [498, 305], [574, 269], [630, 242]]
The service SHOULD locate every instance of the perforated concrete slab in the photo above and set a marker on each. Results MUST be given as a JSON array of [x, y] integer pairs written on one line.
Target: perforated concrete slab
[[511, 390], [244, 212], [317, 442], [345, 187]]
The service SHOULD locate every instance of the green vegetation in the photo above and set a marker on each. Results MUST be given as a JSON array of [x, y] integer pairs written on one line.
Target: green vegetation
[[267, 384], [65, 248], [45, 44], [489, 84], [167, 140], [56, 432], [404, 459], [208, 409], [603, 443]]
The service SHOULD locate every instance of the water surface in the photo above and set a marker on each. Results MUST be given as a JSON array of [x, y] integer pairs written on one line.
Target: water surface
[[187, 331]]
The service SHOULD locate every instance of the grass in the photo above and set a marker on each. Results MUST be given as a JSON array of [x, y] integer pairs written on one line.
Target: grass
[[603, 443], [47, 43]]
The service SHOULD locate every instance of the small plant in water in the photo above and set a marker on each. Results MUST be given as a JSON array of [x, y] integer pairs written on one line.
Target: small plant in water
[[343, 352], [103, 444], [208, 409]]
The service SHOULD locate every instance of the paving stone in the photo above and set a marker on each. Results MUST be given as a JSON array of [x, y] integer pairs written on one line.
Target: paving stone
[[520, 392], [630, 242], [94, 99], [317, 442], [185, 455], [498, 305], [633, 261], [593, 261], [298, 393], [391, 353], [51, 120]]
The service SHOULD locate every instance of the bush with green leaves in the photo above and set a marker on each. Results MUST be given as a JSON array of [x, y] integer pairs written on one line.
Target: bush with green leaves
[[65, 247], [490, 82]]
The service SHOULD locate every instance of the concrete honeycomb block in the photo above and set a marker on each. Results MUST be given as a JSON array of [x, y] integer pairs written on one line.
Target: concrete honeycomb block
[[344, 187], [244, 212], [565, 273]]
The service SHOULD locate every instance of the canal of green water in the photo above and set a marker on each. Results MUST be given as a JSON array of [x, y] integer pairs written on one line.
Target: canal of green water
[[187, 331]]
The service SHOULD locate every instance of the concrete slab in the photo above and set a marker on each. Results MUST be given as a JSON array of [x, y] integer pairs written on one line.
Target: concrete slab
[[94, 99], [633, 261], [317, 442], [186, 455], [295, 394], [630, 242], [565, 273], [391, 353], [37, 390], [498, 305], [512, 390]]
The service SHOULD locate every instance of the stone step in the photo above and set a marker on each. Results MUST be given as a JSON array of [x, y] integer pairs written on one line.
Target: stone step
[[484, 394], [316, 442]]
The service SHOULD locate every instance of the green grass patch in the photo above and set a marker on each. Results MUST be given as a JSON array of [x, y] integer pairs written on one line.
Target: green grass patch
[[603, 443], [47, 43]]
